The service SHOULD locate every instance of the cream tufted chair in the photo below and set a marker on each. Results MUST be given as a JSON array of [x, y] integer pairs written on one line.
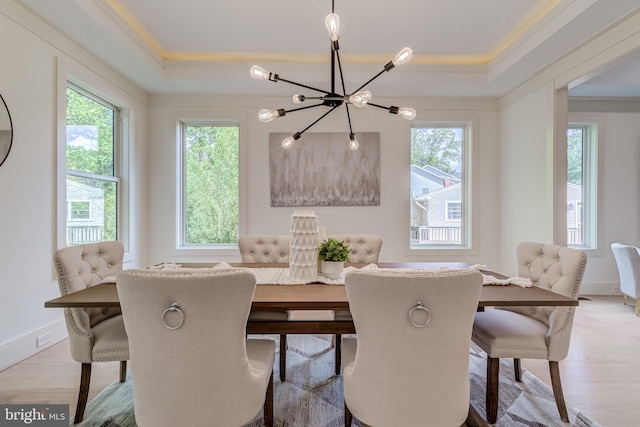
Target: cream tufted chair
[[532, 332], [365, 248], [264, 249], [191, 362], [268, 250], [398, 374], [628, 260], [95, 334]]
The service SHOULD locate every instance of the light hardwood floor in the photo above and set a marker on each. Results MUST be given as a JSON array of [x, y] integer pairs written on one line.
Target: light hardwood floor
[[601, 374]]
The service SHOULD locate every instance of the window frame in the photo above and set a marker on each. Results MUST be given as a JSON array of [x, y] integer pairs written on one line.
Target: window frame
[[592, 214], [207, 116], [118, 162], [469, 197], [69, 74], [183, 183], [448, 211]]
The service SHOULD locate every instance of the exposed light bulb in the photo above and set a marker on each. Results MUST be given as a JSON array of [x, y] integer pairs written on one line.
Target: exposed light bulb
[[353, 142], [360, 99], [297, 99], [332, 22], [407, 113], [403, 56], [259, 73], [266, 115], [288, 142]]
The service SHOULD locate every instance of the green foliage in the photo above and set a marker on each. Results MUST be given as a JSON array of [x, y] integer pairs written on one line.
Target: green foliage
[[212, 192], [574, 155], [334, 250], [437, 147]]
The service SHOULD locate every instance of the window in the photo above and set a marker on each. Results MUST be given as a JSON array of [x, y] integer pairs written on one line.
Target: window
[[92, 181], [78, 211], [210, 184], [454, 211], [582, 185], [439, 193]]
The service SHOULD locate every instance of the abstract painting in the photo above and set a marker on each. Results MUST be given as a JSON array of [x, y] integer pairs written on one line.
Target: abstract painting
[[321, 170]]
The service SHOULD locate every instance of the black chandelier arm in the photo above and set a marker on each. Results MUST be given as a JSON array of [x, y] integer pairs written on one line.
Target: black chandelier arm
[[369, 81], [319, 118], [349, 119], [301, 85], [390, 109], [344, 91], [303, 108]]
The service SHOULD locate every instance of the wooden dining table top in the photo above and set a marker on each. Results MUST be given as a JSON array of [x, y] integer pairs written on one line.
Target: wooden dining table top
[[327, 297]]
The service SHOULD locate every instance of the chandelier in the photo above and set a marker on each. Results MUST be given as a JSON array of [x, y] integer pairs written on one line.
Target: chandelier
[[330, 98]]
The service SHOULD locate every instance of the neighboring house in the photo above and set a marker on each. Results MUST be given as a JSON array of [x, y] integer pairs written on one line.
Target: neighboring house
[[425, 180], [436, 208], [574, 214], [85, 213]]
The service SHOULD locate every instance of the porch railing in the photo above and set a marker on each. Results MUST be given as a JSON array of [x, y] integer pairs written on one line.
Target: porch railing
[[79, 235]]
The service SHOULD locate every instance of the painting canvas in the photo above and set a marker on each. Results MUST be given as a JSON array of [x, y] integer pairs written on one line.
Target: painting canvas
[[321, 170]]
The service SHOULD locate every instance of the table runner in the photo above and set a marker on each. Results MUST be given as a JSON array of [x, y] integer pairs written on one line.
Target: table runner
[[280, 276]]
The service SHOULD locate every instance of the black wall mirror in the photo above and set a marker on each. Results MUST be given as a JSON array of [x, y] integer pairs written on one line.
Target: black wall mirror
[[6, 131]]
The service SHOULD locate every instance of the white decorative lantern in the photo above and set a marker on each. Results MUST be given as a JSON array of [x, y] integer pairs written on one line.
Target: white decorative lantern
[[303, 257]]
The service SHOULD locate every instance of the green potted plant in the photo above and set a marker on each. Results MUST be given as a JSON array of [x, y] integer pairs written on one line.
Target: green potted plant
[[333, 253]]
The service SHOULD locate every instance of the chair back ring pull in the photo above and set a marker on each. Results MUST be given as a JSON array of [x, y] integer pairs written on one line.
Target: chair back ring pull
[[419, 306], [174, 307]]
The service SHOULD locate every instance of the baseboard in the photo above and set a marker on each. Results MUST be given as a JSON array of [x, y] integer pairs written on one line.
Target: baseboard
[[20, 348], [600, 288]]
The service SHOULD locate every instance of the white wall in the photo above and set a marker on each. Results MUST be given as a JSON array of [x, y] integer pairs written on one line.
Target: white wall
[[390, 219], [31, 56], [619, 197], [526, 184]]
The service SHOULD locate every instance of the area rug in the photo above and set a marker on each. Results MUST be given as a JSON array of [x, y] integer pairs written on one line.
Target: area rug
[[312, 394]]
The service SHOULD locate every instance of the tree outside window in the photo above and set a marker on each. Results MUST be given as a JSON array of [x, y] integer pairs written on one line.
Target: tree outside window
[[210, 176]]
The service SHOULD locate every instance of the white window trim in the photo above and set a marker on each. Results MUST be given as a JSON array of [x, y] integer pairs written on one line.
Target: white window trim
[[211, 116], [470, 205], [71, 73], [595, 124]]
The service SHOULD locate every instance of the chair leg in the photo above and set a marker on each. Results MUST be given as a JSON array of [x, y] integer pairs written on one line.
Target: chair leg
[[517, 370], [283, 357], [123, 371], [554, 370], [347, 416], [338, 353], [493, 373], [268, 404], [637, 308], [83, 393]]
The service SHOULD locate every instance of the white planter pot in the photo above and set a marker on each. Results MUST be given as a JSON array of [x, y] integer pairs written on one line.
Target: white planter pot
[[331, 269]]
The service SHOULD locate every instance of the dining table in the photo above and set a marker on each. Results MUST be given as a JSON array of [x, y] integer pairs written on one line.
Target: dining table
[[321, 296]]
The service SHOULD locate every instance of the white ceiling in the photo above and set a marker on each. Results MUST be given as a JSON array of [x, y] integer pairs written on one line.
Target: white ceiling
[[461, 47]]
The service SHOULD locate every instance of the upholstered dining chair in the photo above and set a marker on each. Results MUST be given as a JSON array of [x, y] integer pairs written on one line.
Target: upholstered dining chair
[[268, 249], [628, 261], [191, 362], [532, 332], [409, 365], [363, 249], [95, 334]]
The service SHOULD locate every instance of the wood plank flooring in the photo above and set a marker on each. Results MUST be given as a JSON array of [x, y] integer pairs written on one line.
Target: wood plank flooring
[[601, 374]]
